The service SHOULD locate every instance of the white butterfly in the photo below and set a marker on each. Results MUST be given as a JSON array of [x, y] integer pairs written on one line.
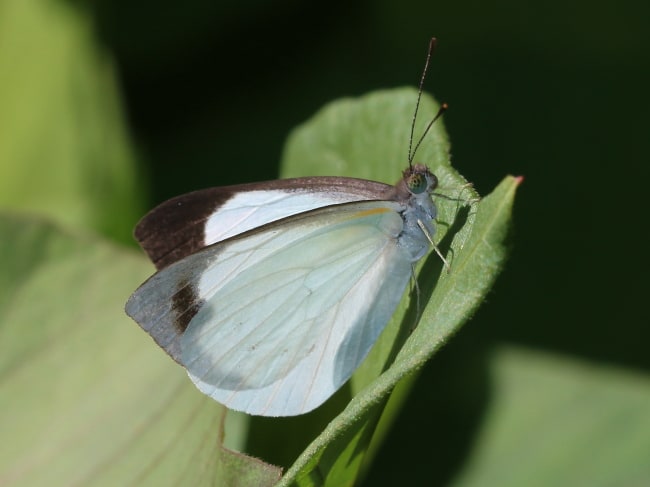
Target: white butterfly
[[271, 294]]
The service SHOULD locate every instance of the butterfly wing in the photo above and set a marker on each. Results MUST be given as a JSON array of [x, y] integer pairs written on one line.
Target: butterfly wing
[[274, 321], [187, 223]]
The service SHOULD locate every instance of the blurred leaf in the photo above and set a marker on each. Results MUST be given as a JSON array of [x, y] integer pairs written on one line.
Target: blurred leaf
[[63, 148], [369, 138], [558, 421], [86, 396]]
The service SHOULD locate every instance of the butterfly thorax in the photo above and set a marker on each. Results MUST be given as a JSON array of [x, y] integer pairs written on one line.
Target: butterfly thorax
[[414, 191]]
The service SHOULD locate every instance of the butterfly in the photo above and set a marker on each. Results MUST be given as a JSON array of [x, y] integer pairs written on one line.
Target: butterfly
[[271, 294]]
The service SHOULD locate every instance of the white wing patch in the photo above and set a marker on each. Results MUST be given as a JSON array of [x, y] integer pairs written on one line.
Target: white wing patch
[[252, 209]]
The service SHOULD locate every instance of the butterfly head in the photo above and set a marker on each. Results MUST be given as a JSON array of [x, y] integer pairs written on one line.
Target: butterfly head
[[419, 179]]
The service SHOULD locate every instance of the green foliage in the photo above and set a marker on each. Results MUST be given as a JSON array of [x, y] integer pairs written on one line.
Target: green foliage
[[560, 421], [87, 398], [64, 150]]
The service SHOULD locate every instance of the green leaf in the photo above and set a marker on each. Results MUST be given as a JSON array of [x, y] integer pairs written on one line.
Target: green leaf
[[86, 397], [63, 149], [368, 138], [553, 420], [90, 399]]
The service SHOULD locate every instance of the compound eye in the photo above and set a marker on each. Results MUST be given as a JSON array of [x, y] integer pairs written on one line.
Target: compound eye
[[417, 183]]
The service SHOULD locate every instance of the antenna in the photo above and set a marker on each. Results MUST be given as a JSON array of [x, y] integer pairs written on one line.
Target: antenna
[[443, 107]]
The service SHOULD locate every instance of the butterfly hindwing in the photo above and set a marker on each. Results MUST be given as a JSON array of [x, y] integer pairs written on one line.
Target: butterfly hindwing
[[275, 320]]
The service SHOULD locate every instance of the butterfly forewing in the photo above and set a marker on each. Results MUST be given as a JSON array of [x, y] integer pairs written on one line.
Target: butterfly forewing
[[183, 225]]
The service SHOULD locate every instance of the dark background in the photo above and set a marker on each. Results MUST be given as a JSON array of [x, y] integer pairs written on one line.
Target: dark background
[[554, 91]]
